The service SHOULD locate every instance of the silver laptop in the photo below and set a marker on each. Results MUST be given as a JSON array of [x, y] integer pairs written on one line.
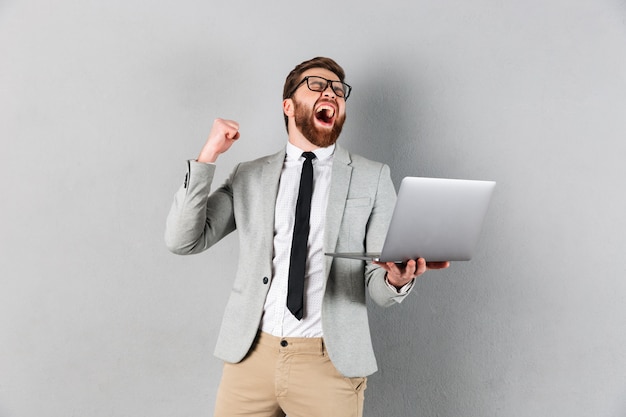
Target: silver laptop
[[434, 218]]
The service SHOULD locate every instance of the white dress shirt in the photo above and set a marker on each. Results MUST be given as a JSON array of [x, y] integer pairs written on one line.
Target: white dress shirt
[[277, 319]]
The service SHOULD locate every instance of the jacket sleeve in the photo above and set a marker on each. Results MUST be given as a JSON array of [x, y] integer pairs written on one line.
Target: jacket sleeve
[[198, 219], [380, 291]]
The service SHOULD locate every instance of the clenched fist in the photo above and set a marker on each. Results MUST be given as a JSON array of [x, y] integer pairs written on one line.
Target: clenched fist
[[223, 134]]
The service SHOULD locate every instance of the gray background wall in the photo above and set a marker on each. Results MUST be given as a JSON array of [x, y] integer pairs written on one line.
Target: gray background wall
[[101, 102]]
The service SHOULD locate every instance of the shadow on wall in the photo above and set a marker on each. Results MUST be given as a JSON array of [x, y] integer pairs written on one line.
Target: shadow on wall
[[385, 115]]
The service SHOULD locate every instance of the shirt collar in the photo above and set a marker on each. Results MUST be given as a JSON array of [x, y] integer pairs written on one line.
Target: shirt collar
[[294, 153]]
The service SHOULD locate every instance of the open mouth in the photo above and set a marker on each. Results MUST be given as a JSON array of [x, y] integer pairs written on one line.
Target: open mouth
[[325, 114]]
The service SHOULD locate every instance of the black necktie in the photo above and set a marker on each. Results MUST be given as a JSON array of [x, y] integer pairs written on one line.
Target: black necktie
[[297, 265]]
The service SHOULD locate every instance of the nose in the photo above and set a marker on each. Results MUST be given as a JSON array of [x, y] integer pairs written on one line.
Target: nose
[[328, 91]]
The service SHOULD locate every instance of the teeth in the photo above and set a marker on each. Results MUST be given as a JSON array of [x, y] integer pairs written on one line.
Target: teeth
[[330, 111]]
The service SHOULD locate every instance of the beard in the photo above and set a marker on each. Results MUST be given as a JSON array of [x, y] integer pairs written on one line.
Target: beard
[[305, 122]]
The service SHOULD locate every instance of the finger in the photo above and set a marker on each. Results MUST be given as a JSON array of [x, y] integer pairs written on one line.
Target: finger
[[229, 128], [438, 265], [234, 135], [421, 267], [231, 123], [383, 265], [232, 128], [408, 269], [392, 268]]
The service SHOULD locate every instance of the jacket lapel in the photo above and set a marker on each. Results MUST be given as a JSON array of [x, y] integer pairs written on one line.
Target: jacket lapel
[[340, 183], [270, 178]]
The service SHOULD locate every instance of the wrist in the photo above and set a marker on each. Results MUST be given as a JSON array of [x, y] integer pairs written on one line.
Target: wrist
[[402, 289], [207, 156], [392, 282]]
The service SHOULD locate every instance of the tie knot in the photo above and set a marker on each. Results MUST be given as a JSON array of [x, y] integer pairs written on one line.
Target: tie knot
[[308, 155]]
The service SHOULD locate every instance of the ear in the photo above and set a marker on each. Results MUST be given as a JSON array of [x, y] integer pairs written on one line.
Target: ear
[[288, 107]]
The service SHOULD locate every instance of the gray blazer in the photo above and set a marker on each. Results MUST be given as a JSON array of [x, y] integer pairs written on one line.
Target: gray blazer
[[360, 204]]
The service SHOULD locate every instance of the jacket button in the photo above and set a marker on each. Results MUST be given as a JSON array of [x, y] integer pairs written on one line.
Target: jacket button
[[265, 280]]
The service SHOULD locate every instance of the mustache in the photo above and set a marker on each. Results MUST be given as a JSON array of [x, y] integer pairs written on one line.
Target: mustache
[[326, 100]]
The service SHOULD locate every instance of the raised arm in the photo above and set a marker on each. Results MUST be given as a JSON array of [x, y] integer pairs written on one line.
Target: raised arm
[[199, 219]]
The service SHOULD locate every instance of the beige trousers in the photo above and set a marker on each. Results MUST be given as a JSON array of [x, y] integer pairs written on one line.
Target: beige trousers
[[288, 376]]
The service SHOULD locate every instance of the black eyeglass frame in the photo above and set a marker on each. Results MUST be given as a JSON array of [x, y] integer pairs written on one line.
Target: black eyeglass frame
[[347, 87]]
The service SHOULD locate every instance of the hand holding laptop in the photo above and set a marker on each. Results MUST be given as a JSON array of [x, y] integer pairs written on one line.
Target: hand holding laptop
[[399, 275]]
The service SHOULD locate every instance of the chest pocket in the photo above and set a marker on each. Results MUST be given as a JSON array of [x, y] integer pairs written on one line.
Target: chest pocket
[[357, 202], [354, 226]]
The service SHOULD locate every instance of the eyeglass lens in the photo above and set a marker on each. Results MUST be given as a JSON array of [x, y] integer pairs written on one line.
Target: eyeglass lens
[[320, 84]]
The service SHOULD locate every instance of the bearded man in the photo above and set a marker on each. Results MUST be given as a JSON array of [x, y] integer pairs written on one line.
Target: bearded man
[[295, 337]]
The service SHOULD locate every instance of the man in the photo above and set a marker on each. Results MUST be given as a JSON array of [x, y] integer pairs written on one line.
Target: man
[[295, 336]]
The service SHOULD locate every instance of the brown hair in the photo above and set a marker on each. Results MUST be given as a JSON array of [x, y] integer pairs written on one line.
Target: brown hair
[[319, 62]]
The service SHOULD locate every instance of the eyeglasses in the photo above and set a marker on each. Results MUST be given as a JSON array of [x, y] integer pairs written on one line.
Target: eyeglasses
[[319, 84]]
